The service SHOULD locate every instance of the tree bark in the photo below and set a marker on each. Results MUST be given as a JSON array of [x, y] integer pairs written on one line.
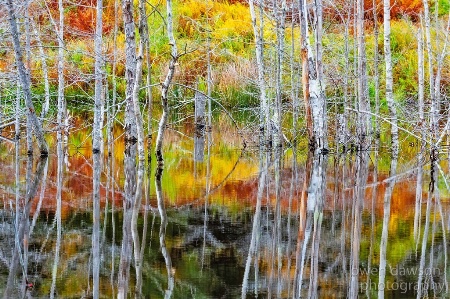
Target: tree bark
[[363, 126], [24, 77], [264, 119], [312, 78], [166, 85], [130, 70], [389, 79], [97, 145]]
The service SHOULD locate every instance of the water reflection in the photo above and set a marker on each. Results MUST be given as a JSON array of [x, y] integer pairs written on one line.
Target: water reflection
[[19, 262], [262, 224]]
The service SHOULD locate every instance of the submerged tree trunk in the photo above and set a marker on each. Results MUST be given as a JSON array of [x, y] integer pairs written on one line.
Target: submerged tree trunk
[[25, 81], [166, 85], [97, 145]]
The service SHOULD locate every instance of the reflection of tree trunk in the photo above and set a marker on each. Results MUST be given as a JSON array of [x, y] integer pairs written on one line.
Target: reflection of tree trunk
[[276, 234], [386, 219], [292, 193], [301, 243], [22, 226], [359, 194], [128, 203], [138, 251], [316, 197], [162, 235], [59, 184], [433, 187], [256, 219], [207, 190], [372, 222]]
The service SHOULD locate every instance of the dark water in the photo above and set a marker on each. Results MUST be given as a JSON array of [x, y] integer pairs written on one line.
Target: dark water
[[239, 224]]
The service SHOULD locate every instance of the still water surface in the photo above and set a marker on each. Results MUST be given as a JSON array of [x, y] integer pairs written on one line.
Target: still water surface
[[239, 224]]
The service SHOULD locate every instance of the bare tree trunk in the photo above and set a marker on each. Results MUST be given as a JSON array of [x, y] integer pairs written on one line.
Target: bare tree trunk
[[149, 97], [166, 85], [376, 72], [24, 77], [433, 108], [130, 70], [313, 88], [264, 116], [61, 116], [305, 70], [363, 126], [97, 145], [421, 77], [28, 66], [389, 80], [280, 16], [138, 81]]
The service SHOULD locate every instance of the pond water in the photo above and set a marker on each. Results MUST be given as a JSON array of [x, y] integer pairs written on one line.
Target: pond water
[[241, 223]]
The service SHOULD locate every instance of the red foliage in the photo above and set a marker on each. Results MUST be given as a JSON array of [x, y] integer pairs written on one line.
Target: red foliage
[[80, 16], [399, 9]]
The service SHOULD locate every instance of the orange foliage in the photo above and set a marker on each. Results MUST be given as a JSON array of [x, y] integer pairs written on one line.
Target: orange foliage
[[399, 8], [80, 18]]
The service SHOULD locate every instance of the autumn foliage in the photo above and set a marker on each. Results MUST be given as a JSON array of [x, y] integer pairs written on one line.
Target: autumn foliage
[[80, 16]]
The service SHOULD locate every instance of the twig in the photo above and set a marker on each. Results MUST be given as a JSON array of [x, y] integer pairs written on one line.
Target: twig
[[388, 121]]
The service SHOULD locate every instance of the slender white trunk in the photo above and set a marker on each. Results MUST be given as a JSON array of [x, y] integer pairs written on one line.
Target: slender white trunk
[[166, 84], [24, 77], [433, 108], [264, 119], [280, 17], [130, 70], [363, 126], [97, 145], [138, 80], [61, 116], [389, 80], [376, 71], [313, 85], [421, 77], [28, 65]]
